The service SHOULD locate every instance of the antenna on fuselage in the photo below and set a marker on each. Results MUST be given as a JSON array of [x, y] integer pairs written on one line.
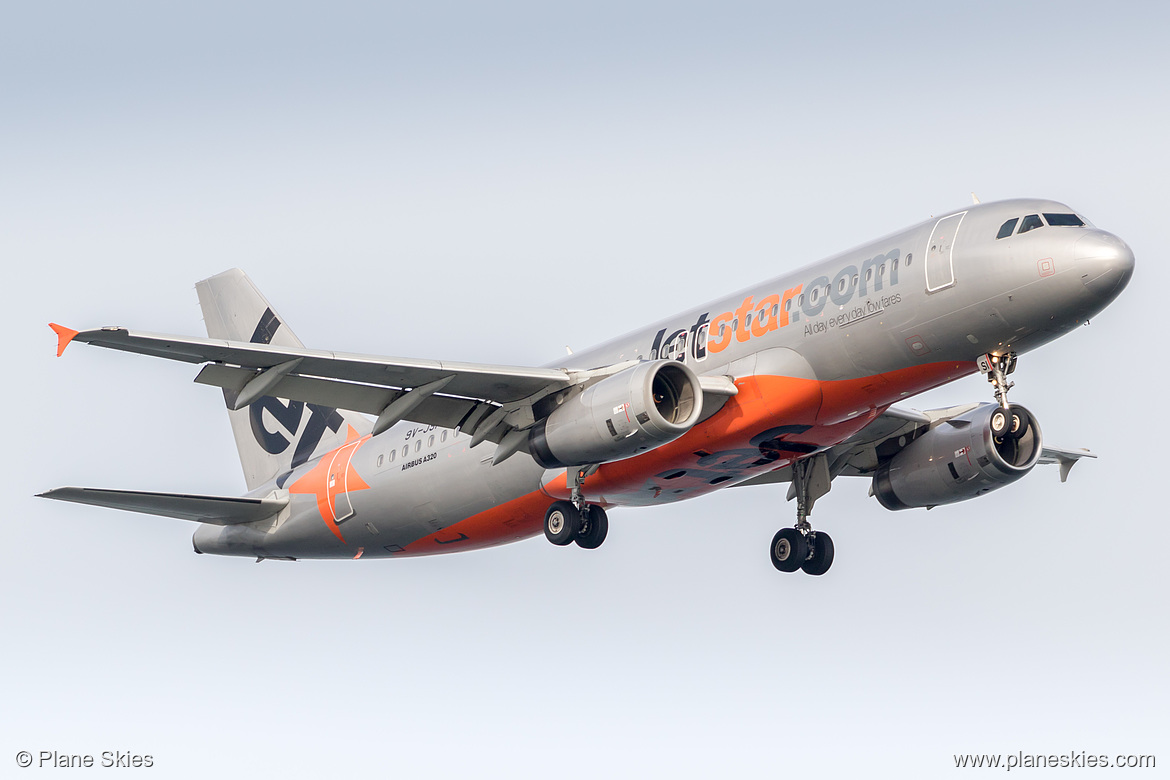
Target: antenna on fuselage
[[974, 198]]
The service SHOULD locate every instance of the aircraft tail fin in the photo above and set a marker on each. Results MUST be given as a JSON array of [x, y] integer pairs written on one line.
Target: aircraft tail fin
[[217, 510], [272, 435]]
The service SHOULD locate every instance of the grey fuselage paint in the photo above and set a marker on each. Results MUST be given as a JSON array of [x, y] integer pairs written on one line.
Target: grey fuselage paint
[[863, 312]]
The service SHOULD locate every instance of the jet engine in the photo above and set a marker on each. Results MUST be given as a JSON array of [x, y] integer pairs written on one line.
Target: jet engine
[[634, 410], [959, 459]]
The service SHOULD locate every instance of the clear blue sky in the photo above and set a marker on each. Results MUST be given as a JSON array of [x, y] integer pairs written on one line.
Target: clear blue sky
[[491, 183]]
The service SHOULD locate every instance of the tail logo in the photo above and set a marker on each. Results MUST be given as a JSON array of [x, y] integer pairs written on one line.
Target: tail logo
[[289, 415]]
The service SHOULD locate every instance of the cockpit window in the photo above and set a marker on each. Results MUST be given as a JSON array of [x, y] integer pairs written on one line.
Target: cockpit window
[[1031, 222], [1006, 229], [1064, 220]]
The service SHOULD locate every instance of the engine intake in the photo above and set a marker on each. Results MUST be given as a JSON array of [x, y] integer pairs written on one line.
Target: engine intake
[[957, 460], [634, 410]]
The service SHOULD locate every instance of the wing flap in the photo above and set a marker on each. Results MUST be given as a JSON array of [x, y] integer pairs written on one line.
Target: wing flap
[[328, 392], [217, 510], [444, 411]]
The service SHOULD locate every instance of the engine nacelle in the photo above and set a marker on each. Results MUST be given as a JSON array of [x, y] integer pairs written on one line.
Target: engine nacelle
[[634, 410], [957, 460]]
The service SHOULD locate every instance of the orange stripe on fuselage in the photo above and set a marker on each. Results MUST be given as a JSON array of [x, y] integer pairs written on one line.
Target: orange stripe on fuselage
[[511, 521], [772, 421], [726, 445], [763, 402]]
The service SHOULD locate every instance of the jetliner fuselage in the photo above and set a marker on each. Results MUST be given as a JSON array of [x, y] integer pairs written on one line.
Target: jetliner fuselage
[[815, 355]]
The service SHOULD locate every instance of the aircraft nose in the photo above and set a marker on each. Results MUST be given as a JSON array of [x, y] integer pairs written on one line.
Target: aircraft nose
[[1105, 262]]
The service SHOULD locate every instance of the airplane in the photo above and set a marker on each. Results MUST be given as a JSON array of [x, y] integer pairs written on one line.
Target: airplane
[[791, 381]]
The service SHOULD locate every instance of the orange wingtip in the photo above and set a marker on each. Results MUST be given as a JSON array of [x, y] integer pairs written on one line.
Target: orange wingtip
[[64, 336]]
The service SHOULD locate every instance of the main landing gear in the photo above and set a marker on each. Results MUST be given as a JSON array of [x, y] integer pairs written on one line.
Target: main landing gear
[[801, 547], [1007, 421], [571, 521]]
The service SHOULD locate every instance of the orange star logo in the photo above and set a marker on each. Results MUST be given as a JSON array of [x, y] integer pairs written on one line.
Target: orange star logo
[[333, 475]]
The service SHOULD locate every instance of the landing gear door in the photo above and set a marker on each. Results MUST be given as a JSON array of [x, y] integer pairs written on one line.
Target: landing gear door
[[940, 269]]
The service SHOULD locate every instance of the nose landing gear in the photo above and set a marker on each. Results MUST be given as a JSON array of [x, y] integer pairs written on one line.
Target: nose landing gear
[[800, 547], [996, 368], [1007, 421]]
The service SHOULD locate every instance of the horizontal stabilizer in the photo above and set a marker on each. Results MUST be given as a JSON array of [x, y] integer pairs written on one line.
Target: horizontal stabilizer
[[217, 510]]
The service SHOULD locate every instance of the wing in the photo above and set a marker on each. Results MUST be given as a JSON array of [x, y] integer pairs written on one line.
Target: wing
[[217, 510], [860, 454], [394, 389], [892, 430], [486, 401], [1065, 458]]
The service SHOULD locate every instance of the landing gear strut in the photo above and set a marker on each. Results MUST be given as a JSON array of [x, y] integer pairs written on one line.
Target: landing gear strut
[[800, 547], [996, 368], [575, 520], [1007, 421]]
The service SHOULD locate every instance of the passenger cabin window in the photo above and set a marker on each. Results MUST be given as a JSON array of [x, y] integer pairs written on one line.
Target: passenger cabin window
[[1064, 220], [1031, 222], [1007, 228]]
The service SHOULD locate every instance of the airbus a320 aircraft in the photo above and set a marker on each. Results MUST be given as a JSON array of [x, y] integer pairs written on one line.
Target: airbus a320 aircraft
[[790, 381]]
